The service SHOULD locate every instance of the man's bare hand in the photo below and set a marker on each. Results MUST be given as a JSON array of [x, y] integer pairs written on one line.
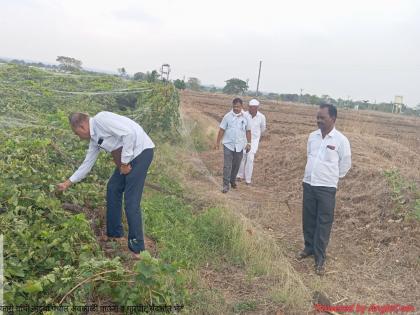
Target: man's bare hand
[[125, 169], [216, 146], [64, 185], [247, 148]]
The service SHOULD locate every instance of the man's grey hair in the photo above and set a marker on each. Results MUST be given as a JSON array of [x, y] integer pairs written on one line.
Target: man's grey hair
[[76, 119]]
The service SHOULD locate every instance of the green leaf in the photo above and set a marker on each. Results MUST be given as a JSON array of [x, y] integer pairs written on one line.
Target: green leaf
[[32, 287], [50, 277], [145, 270], [16, 272]]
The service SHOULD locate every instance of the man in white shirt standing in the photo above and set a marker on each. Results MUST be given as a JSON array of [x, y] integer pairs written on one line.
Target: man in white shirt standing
[[235, 129], [329, 158], [132, 151], [258, 126]]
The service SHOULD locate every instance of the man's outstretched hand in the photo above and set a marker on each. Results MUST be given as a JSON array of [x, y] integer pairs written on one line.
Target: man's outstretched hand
[[64, 185]]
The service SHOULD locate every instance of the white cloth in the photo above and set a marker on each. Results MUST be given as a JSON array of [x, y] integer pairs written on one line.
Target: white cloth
[[247, 166], [258, 126], [328, 159], [235, 127], [109, 131], [254, 102]]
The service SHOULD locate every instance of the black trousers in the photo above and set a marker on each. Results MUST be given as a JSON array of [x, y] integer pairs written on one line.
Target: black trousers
[[317, 219], [231, 162]]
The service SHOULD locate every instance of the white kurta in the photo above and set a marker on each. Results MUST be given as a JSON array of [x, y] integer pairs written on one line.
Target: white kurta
[[258, 126]]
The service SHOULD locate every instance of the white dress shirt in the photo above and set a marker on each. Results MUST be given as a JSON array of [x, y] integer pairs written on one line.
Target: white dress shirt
[[258, 126], [235, 127], [109, 131], [328, 159]]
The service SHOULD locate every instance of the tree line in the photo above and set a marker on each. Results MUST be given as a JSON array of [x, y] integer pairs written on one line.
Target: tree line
[[233, 86]]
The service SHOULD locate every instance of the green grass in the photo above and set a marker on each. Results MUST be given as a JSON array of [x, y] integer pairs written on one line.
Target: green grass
[[245, 306], [405, 195]]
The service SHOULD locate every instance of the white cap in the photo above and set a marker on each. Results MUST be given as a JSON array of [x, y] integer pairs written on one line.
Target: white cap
[[254, 102]]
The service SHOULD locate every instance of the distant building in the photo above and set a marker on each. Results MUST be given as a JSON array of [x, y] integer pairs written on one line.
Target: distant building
[[398, 104]]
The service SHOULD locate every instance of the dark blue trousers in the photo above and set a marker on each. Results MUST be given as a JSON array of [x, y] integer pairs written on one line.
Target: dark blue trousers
[[131, 186]]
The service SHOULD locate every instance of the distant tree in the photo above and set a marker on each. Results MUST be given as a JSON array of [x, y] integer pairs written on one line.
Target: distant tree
[[289, 97], [194, 84], [18, 62], [273, 96], [416, 110], [235, 86], [326, 98], [69, 64], [213, 89], [152, 77], [122, 72], [139, 76], [180, 84]]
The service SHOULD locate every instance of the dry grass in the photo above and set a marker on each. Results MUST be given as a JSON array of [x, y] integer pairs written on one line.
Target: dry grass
[[266, 280]]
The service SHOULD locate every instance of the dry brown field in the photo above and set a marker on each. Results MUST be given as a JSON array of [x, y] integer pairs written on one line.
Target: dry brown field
[[374, 250]]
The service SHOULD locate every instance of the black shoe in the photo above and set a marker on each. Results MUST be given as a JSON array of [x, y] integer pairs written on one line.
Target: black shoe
[[225, 189], [233, 185], [320, 269], [302, 255]]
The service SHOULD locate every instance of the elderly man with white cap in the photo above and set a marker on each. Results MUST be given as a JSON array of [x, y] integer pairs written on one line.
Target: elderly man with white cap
[[258, 126]]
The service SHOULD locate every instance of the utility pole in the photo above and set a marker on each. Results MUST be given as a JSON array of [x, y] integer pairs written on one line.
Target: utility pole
[[258, 82], [300, 96]]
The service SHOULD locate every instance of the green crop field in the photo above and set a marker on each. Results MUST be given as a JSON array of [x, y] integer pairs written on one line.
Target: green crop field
[[51, 255]]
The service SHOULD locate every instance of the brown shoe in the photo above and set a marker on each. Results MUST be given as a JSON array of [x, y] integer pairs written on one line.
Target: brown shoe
[[233, 185], [302, 255]]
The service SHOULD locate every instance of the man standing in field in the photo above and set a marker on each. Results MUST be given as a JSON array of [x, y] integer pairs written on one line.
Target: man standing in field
[[235, 129], [329, 158], [132, 151], [258, 126]]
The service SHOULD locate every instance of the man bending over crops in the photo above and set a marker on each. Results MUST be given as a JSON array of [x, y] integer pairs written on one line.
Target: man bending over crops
[[329, 158], [132, 151], [235, 129]]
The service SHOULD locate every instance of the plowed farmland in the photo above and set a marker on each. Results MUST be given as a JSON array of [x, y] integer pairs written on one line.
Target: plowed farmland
[[374, 251]]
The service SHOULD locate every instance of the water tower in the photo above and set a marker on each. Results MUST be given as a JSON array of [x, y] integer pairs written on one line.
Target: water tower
[[164, 72], [398, 103]]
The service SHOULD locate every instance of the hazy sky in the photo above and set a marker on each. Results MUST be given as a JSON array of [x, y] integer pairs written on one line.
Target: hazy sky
[[366, 49]]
